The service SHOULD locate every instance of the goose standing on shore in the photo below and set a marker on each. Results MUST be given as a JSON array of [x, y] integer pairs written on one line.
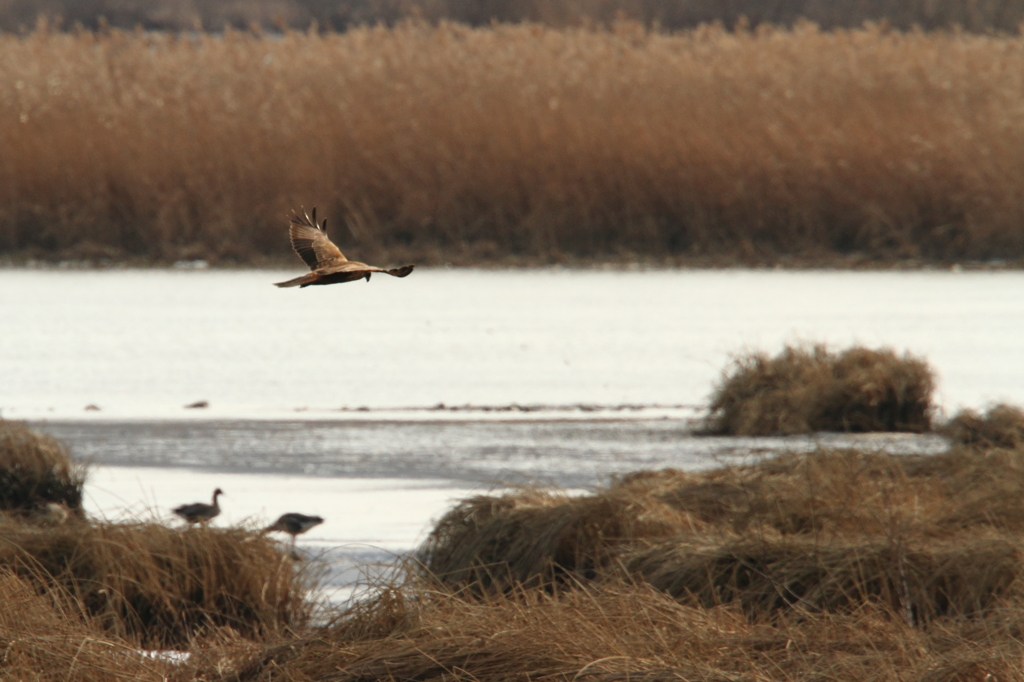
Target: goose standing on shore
[[200, 512], [327, 262], [294, 524]]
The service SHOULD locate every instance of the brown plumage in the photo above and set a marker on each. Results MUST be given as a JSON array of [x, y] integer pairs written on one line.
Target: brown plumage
[[326, 261], [200, 512]]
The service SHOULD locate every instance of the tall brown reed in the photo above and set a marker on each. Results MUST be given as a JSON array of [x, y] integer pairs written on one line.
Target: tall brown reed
[[182, 15], [515, 142]]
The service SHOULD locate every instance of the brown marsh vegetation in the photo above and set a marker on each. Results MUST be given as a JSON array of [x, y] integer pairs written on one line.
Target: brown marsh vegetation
[[829, 565], [516, 144], [187, 15], [1001, 426], [36, 469], [139, 581], [809, 388], [833, 565]]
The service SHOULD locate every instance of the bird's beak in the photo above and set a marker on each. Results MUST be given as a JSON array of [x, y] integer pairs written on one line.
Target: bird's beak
[[368, 276]]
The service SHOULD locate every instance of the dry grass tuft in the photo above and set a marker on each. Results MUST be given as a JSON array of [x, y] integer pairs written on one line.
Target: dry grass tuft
[[36, 469], [964, 575], [617, 631], [1002, 426], [528, 634], [805, 389], [515, 144], [161, 587], [925, 536], [531, 537], [39, 641]]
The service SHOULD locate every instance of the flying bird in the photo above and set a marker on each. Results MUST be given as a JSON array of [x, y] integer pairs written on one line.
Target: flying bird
[[200, 512], [326, 261]]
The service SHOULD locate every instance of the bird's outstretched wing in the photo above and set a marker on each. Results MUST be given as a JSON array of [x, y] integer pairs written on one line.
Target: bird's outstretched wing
[[310, 241], [362, 268], [349, 271]]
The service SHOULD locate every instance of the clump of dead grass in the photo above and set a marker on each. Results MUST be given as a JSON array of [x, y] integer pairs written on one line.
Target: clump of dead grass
[[805, 389], [159, 586], [36, 469], [926, 536], [616, 631], [1000, 426], [532, 536], [41, 641], [964, 575]]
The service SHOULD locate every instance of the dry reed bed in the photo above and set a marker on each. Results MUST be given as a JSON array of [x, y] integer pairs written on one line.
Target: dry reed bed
[[516, 142], [182, 15], [809, 388]]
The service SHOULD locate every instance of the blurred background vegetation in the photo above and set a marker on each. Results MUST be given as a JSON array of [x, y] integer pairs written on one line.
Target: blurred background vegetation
[[184, 15], [506, 133]]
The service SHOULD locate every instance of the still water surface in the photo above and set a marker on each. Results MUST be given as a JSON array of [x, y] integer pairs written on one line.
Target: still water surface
[[144, 343]]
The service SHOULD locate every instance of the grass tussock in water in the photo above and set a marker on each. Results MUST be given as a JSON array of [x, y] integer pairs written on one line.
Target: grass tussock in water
[[515, 144], [1001, 426], [161, 586], [36, 469], [805, 389]]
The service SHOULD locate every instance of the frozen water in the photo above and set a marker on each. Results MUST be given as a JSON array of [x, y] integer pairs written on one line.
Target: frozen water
[[145, 343]]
